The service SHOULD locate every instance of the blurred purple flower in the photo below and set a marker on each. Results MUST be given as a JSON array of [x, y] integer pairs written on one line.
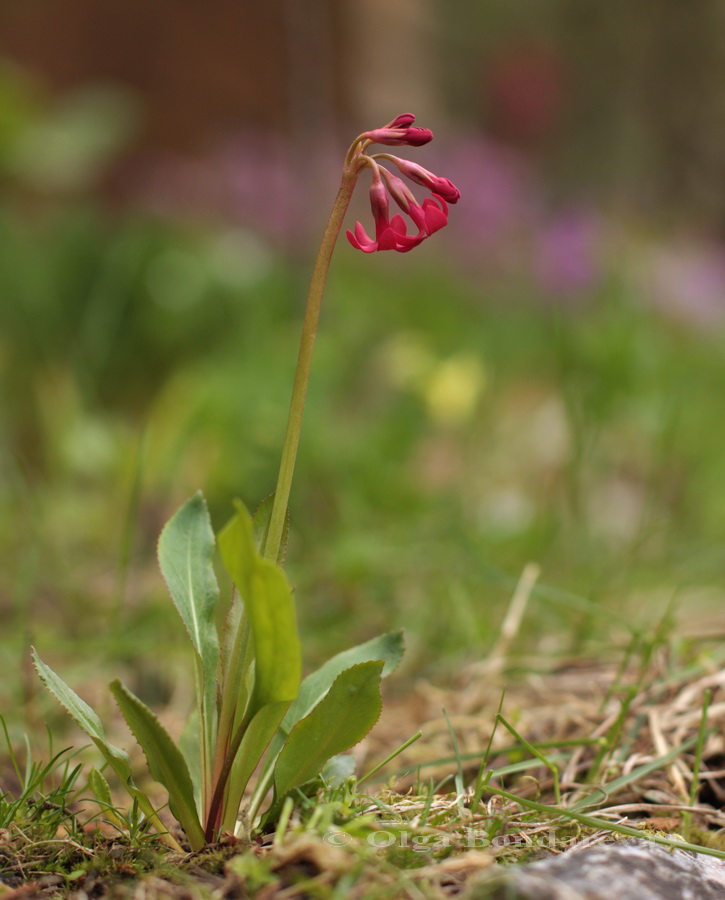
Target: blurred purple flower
[[566, 252], [250, 180]]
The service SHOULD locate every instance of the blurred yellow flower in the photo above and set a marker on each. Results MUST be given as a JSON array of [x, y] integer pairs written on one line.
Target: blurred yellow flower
[[453, 388], [407, 360]]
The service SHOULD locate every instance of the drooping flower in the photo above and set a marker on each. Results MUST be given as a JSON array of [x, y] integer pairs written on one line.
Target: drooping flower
[[389, 234], [429, 216], [444, 187], [398, 132]]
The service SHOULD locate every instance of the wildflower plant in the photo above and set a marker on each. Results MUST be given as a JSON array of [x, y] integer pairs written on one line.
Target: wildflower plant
[[254, 714]]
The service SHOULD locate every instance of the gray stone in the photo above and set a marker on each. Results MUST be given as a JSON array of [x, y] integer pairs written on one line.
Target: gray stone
[[631, 869]]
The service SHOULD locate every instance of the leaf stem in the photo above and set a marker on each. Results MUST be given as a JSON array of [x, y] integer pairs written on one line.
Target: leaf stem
[[304, 361], [217, 799]]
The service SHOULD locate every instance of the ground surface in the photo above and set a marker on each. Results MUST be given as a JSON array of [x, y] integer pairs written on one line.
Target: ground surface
[[619, 743]]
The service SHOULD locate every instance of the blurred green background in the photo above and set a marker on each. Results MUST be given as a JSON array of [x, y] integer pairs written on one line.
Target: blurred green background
[[543, 381]]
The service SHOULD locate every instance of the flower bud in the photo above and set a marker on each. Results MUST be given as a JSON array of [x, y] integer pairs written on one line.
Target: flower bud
[[436, 184], [400, 131]]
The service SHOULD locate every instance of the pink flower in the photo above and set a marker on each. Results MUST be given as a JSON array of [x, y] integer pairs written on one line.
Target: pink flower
[[428, 217], [399, 131], [444, 187], [389, 235], [404, 120]]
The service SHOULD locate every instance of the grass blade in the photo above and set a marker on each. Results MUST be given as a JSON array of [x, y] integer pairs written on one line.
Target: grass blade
[[534, 752], [605, 825]]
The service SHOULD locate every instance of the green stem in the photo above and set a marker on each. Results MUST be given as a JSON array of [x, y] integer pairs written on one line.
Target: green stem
[[304, 363]]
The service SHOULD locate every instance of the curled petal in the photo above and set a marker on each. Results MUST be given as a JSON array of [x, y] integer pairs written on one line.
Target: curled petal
[[405, 241], [360, 240], [436, 217], [387, 239], [404, 120], [417, 214]]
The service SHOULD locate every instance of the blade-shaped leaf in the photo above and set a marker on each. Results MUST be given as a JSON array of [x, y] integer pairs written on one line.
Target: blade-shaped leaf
[[85, 718], [79, 710], [386, 647], [254, 743], [102, 792], [277, 655], [236, 658], [165, 761], [342, 718], [98, 784], [269, 605], [189, 744], [186, 549]]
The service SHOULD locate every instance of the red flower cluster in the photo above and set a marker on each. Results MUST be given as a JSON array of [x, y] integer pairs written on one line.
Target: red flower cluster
[[428, 217]]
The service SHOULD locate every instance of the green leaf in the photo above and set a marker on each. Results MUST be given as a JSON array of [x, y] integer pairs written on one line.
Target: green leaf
[[277, 655], [165, 762], [186, 550], [337, 770], [99, 786], [102, 792], [236, 658], [85, 718], [254, 743], [260, 521], [386, 647], [341, 719], [78, 709], [189, 744], [270, 608]]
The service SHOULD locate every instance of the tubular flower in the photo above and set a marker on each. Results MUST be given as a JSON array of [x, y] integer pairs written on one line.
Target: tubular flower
[[399, 131], [428, 217], [444, 187], [389, 235]]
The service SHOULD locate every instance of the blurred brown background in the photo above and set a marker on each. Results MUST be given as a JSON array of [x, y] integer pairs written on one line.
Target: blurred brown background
[[625, 99]]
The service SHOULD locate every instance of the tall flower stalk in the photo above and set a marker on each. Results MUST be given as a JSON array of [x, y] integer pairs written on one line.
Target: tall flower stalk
[[390, 234]]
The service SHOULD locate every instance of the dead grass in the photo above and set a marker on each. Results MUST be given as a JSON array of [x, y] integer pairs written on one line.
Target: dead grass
[[628, 744]]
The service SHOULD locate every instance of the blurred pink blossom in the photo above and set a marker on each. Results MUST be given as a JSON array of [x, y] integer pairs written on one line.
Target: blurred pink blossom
[[567, 252]]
